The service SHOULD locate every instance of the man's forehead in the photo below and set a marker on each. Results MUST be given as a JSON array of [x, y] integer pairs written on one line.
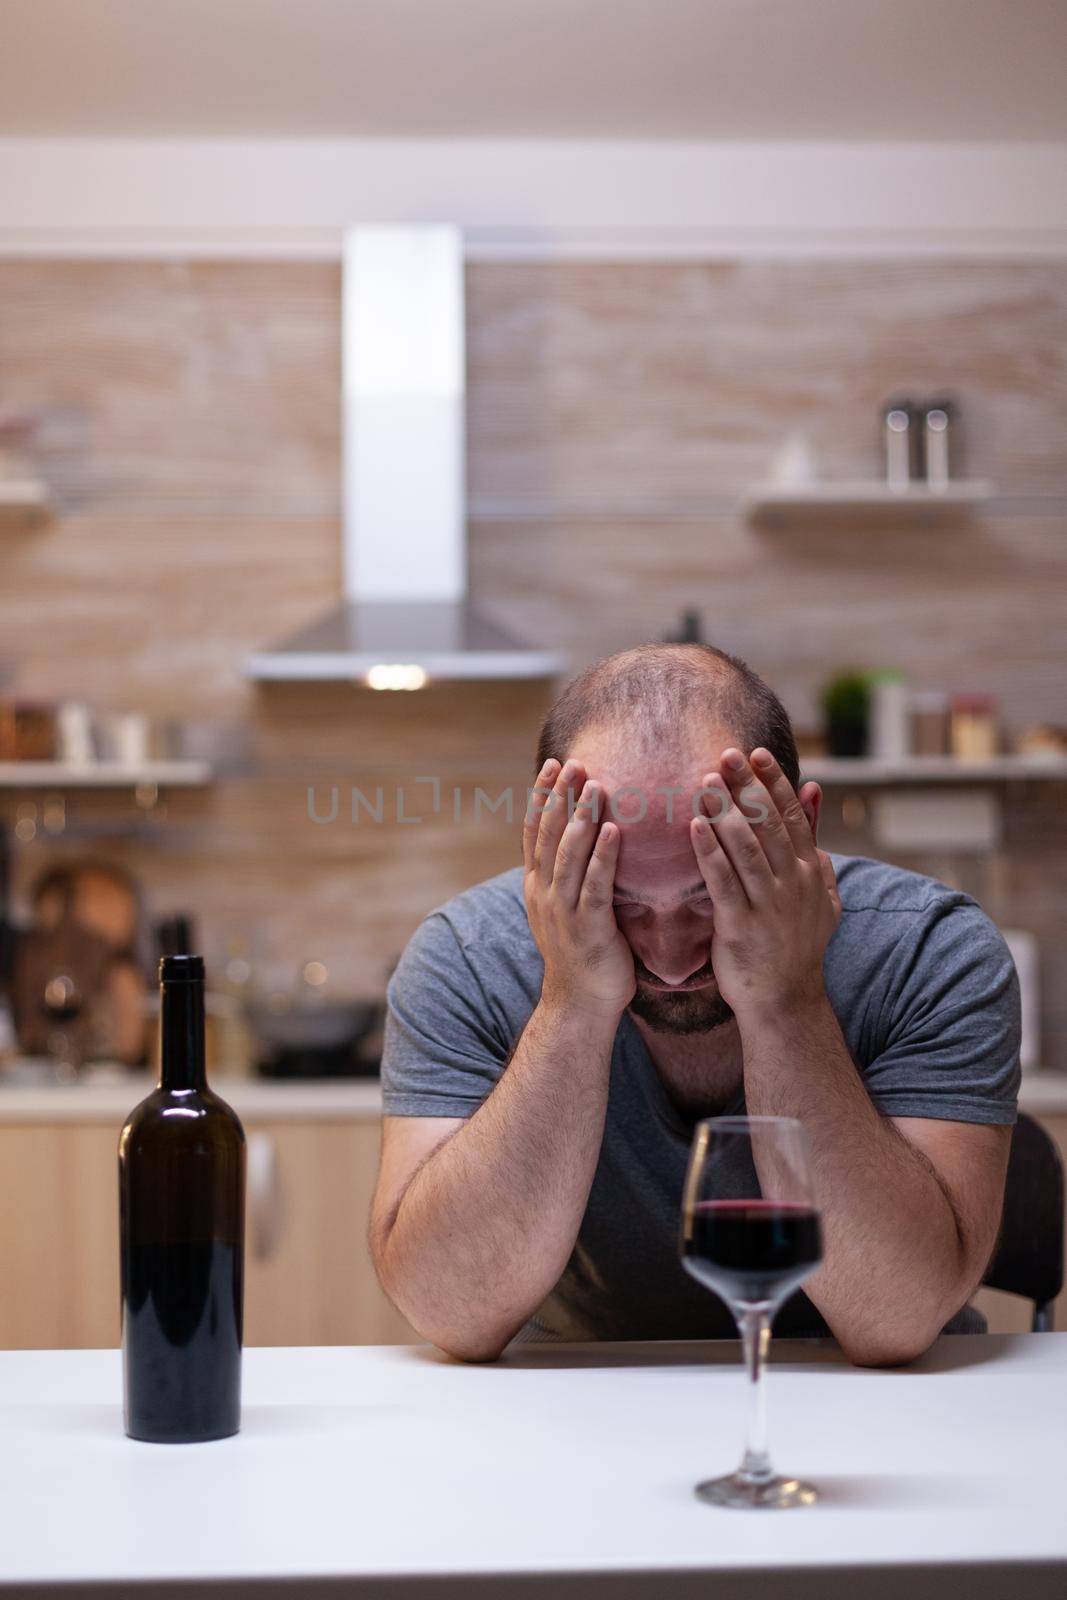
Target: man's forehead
[[664, 774], [650, 803], [651, 795], [656, 858]]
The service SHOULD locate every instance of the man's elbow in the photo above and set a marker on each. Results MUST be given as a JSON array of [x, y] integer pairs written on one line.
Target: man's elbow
[[485, 1341], [884, 1352], [893, 1345], [479, 1337], [471, 1350], [474, 1344]]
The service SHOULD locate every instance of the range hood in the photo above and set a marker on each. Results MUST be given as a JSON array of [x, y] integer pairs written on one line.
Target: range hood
[[405, 616]]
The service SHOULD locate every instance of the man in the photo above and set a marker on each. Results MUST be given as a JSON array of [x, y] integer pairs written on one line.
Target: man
[[675, 946]]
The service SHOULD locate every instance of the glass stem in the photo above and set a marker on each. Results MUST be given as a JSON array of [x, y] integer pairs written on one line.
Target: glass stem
[[755, 1327]]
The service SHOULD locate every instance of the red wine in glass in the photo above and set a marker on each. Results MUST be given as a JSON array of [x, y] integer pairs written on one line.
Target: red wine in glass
[[751, 1246], [752, 1252]]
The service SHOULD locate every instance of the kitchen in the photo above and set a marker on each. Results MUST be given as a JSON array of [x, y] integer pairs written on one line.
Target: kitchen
[[665, 334]]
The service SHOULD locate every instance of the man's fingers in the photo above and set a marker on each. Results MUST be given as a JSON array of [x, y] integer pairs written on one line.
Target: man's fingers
[[737, 837], [785, 798], [538, 798], [553, 819], [598, 887], [723, 884], [759, 806], [576, 844]]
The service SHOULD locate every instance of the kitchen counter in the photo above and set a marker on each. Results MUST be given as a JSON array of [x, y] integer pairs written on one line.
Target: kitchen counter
[[267, 1099], [254, 1099], [563, 1470]]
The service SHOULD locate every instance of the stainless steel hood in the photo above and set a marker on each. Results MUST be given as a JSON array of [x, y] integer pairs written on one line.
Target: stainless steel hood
[[405, 616], [398, 644]]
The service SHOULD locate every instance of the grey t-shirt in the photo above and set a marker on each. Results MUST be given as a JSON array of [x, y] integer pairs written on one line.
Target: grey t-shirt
[[921, 982]]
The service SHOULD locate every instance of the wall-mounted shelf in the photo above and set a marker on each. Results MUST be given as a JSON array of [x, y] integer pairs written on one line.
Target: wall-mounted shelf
[[103, 775], [837, 772], [782, 500], [23, 494]]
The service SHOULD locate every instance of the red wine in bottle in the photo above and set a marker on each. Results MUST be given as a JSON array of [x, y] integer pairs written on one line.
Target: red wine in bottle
[[181, 1223]]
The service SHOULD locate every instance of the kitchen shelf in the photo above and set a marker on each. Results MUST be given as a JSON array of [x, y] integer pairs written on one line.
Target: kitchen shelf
[[23, 494], [103, 775], [781, 500], [840, 771]]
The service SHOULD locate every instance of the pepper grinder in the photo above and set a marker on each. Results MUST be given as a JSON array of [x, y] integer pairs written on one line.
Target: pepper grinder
[[899, 430], [939, 430]]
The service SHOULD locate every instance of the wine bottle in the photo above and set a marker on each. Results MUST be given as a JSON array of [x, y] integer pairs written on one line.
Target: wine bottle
[[181, 1223]]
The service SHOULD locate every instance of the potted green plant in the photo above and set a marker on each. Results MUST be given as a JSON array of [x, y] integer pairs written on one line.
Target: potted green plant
[[846, 709]]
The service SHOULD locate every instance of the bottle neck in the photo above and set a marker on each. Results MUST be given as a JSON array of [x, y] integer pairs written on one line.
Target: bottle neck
[[181, 1036]]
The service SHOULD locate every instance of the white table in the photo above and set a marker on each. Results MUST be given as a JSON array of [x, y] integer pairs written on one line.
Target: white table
[[562, 1471]]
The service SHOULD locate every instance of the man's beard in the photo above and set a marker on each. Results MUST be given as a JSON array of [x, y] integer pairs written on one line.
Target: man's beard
[[686, 1012]]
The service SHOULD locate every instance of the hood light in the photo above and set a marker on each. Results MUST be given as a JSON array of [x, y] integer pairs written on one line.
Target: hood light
[[395, 677]]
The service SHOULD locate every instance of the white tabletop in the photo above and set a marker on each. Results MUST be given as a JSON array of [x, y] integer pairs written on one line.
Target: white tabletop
[[564, 1464]]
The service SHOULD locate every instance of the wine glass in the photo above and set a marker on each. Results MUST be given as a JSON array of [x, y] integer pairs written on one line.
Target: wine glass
[[62, 1003], [751, 1232]]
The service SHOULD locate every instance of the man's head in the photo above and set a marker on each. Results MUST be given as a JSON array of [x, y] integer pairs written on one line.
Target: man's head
[[648, 723]]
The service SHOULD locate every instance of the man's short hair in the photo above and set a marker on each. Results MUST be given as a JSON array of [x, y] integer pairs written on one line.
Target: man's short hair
[[660, 690]]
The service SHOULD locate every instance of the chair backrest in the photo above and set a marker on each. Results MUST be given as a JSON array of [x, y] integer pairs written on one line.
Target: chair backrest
[[1029, 1255]]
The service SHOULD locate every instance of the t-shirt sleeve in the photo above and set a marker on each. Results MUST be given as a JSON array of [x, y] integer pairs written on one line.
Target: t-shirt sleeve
[[442, 1052], [950, 1023]]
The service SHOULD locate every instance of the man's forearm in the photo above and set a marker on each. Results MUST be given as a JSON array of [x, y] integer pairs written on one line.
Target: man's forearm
[[487, 1224], [894, 1262]]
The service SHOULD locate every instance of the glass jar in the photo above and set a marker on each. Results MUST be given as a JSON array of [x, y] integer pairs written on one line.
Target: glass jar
[[973, 727], [929, 723]]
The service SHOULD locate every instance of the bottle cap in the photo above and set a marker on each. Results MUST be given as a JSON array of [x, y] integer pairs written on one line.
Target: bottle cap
[[178, 969]]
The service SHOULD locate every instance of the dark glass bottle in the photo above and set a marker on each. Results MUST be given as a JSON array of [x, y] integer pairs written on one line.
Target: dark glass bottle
[[181, 1218]]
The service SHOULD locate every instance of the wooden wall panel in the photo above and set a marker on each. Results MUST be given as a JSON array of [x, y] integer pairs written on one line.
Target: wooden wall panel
[[177, 386], [955, 605], [186, 417], [605, 384]]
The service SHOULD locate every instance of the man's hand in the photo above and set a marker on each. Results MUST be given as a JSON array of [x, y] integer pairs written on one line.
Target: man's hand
[[569, 881], [774, 894]]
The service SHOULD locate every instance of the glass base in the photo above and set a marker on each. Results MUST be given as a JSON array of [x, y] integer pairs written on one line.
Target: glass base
[[744, 1494]]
